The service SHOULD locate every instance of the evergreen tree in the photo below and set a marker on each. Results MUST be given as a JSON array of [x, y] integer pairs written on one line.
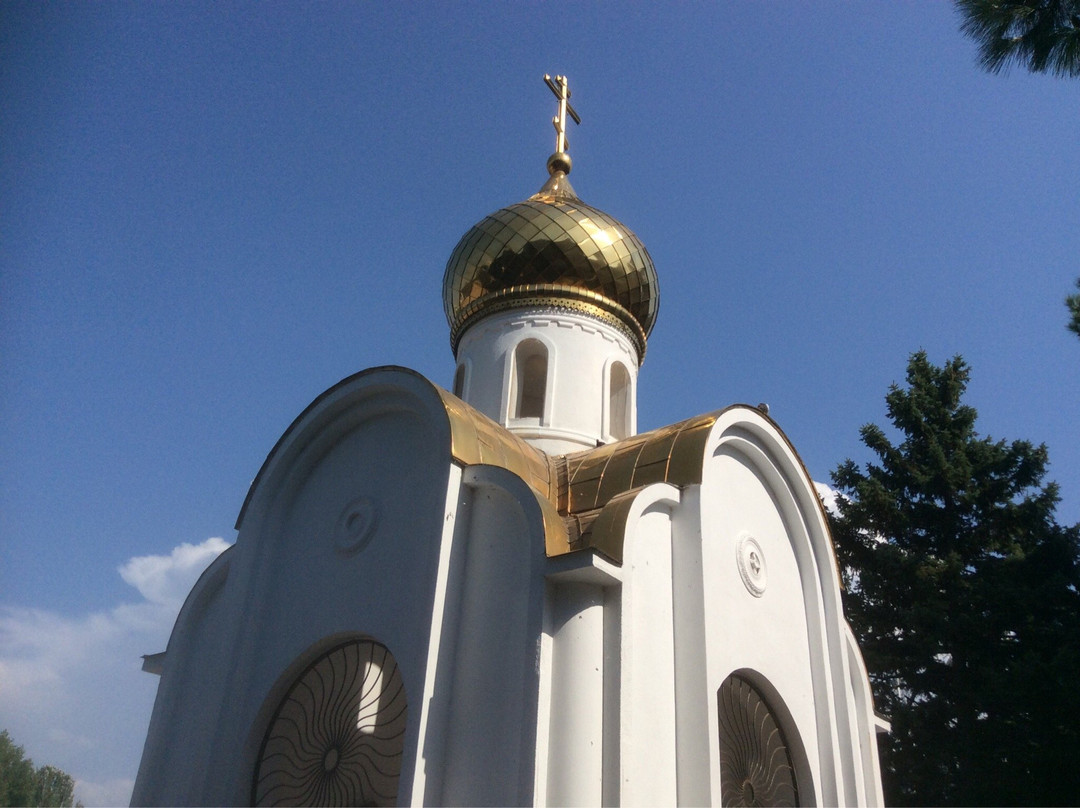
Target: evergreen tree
[[963, 592], [1040, 34], [1073, 302]]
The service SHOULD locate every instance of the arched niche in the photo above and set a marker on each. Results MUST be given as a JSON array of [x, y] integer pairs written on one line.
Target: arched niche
[[620, 401], [459, 381], [762, 758], [334, 728], [529, 381], [745, 441]]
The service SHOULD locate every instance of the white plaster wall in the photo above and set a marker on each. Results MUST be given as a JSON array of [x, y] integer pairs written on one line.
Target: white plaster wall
[[766, 634], [692, 696], [376, 444], [792, 640], [870, 790], [648, 731], [580, 350], [487, 682], [183, 722], [578, 734], [574, 713]]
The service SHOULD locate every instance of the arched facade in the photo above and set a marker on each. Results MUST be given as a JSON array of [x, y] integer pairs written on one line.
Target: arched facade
[[561, 636], [792, 634]]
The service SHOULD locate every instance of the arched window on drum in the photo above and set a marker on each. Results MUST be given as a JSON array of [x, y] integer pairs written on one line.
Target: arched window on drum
[[619, 407], [528, 391], [459, 381]]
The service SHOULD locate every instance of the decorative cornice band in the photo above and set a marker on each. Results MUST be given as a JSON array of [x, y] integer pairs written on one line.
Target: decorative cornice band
[[552, 297]]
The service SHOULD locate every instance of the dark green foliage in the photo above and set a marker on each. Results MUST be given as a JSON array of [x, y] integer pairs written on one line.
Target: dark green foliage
[[1042, 35], [963, 592], [22, 784], [1073, 302]]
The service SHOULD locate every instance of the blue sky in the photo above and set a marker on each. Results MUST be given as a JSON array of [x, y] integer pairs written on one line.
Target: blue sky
[[209, 213]]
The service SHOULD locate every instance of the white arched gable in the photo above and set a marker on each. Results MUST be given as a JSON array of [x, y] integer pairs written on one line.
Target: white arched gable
[[183, 669], [339, 410], [757, 493], [325, 507]]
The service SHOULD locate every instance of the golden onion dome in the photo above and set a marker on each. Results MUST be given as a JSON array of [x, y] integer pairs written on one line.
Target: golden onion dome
[[552, 251]]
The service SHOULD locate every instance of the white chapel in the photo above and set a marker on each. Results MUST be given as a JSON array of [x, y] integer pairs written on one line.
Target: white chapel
[[505, 594]]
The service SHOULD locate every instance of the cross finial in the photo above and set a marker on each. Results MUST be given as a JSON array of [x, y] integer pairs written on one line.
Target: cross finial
[[562, 92]]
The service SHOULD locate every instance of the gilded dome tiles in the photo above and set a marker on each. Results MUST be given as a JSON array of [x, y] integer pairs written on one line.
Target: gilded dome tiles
[[552, 250]]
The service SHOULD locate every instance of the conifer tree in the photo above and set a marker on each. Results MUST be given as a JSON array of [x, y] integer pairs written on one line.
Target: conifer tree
[[1073, 304], [963, 592], [1042, 35]]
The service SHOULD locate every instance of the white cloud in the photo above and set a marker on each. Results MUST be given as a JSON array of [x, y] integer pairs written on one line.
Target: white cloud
[[168, 579], [828, 496], [108, 792], [72, 691]]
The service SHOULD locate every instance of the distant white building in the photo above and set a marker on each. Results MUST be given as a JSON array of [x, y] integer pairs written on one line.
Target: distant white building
[[504, 595]]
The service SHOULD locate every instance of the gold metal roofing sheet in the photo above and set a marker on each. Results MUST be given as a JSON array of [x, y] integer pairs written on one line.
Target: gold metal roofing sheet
[[649, 473], [658, 448], [619, 470], [476, 439], [671, 454], [575, 490], [605, 534]]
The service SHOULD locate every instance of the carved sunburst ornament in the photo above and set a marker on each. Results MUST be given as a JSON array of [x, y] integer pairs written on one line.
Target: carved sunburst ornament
[[755, 764], [752, 570], [338, 734]]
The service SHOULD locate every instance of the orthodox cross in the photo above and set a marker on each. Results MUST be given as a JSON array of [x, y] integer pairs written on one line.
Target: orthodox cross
[[562, 92]]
